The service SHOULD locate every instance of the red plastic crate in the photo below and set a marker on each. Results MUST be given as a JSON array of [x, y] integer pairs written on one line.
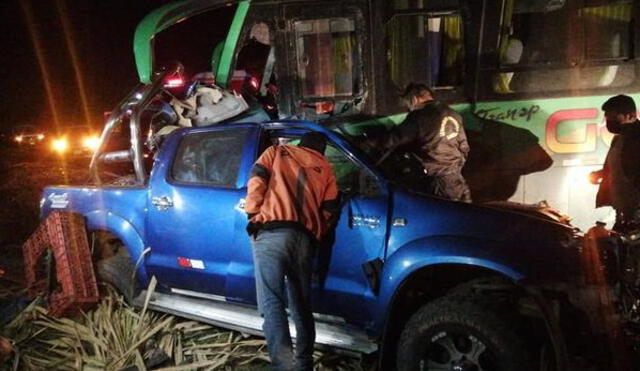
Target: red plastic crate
[[65, 234], [33, 252]]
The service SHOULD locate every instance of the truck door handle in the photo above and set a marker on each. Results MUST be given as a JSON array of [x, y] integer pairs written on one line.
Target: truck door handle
[[240, 204], [162, 203]]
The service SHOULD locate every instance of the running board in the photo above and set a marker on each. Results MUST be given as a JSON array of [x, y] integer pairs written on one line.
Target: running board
[[248, 320]]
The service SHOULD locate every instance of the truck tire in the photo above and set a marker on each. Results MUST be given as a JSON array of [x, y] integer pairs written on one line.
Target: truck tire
[[454, 333], [118, 272]]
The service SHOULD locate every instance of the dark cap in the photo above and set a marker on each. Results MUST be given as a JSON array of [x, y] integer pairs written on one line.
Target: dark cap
[[416, 90], [314, 140], [620, 104]]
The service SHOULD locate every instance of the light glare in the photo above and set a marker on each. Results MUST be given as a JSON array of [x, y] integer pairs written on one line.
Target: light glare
[[91, 142], [60, 145]]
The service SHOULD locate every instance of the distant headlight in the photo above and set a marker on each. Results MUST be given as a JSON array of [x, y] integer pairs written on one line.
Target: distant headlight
[[18, 138], [40, 136], [91, 143], [60, 145]]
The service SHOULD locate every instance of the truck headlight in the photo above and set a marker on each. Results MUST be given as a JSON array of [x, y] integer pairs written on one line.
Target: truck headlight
[[60, 145], [91, 142]]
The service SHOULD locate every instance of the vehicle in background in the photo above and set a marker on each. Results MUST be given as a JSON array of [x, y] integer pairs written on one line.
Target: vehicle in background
[[27, 135], [77, 140]]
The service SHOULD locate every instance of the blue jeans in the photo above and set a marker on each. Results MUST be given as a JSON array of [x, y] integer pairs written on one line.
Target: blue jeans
[[280, 253]]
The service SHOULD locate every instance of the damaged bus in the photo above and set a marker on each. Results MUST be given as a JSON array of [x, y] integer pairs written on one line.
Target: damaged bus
[[529, 77]]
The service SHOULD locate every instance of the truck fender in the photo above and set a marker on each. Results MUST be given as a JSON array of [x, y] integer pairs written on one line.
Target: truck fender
[[125, 231], [431, 251]]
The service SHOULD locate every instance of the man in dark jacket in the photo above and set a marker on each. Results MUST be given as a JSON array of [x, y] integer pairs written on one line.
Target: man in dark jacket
[[620, 177], [438, 140]]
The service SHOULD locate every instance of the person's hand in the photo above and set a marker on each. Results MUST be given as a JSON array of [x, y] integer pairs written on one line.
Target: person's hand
[[272, 89], [595, 177], [364, 143]]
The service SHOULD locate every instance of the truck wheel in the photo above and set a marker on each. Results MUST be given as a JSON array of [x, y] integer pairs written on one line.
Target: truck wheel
[[118, 272], [456, 333]]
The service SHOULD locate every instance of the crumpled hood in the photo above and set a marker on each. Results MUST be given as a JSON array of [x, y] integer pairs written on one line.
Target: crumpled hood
[[533, 246]]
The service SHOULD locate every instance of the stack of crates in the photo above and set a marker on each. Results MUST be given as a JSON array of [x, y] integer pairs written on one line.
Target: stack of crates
[[76, 288]]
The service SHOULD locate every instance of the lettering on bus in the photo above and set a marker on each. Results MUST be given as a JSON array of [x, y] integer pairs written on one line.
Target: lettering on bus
[[586, 132], [509, 114]]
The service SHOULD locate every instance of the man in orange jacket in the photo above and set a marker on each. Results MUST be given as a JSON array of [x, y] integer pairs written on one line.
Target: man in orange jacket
[[291, 204]]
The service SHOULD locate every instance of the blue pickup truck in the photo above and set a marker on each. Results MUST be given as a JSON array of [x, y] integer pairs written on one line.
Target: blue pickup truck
[[425, 282]]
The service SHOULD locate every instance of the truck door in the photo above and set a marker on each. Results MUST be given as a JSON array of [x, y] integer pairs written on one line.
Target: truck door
[[339, 283], [192, 208]]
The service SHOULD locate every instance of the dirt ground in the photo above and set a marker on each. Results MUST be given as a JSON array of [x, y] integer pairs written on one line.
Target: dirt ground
[[25, 171]]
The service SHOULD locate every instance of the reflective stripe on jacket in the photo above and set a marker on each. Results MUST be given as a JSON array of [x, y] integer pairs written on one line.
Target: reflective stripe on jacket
[[289, 185], [437, 137]]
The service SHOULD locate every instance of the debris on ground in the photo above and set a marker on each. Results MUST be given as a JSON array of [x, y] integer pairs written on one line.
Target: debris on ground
[[114, 336], [6, 348]]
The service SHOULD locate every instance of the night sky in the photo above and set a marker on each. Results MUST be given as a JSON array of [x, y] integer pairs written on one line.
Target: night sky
[[102, 32]]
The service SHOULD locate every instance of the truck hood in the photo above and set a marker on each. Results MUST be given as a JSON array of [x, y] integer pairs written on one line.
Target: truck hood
[[527, 243]]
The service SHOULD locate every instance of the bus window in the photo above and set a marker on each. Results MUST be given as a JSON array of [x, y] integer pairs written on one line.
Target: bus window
[[327, 55], [425, 48], [254, 62], [192, 42], [574, 45], [254, 73]]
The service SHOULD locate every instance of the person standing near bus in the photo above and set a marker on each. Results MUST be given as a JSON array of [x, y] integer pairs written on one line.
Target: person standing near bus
[[438, 140], [620, 177], [291, 205]]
